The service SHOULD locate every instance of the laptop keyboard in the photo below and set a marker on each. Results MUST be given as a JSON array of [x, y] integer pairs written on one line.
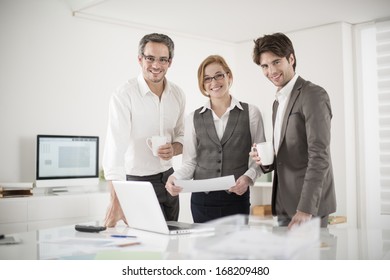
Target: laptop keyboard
[[172, 227]]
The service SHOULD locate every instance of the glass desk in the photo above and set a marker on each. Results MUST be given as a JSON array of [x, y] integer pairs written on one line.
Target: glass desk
[[258, 239]]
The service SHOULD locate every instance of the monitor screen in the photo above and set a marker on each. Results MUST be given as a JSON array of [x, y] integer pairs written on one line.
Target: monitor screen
[[64, 160]]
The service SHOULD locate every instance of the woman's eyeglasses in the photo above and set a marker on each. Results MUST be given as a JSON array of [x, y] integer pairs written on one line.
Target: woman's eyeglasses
[[217, 77]]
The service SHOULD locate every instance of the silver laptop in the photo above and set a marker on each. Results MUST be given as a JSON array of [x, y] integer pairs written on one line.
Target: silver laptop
[[142, 210]]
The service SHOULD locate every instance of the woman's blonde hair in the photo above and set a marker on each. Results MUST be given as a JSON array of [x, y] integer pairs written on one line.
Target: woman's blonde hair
[[209, 60]]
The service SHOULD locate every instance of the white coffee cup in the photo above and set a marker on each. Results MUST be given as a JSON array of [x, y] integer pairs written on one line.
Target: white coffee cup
[[265, 150], [155, 142]]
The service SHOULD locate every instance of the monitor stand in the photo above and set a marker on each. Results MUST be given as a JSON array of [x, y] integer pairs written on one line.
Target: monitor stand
[[58, 190]]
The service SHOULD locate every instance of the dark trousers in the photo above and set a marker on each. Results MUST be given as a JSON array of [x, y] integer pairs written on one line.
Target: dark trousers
[[213, 205], [169, 204]]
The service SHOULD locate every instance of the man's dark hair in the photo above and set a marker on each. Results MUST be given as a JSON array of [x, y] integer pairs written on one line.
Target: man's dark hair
[[277, 43]]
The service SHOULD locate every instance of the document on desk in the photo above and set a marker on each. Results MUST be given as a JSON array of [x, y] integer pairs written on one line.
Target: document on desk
[[260, 243], [206, 185]]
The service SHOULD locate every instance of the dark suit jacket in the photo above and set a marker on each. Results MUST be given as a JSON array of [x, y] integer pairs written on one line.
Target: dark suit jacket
[[303, 167]]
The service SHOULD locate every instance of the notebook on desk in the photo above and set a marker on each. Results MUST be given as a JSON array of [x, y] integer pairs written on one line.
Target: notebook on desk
[[142, 210]]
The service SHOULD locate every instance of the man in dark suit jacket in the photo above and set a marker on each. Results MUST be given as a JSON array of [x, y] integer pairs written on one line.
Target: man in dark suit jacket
[[303, 185]]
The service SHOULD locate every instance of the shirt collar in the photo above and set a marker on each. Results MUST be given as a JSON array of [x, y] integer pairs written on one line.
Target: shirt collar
[[234, 102], [144, 88], [287, 89]]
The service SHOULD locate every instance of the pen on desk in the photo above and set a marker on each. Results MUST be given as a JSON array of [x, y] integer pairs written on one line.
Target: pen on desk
[[123, 236], [129, 244]]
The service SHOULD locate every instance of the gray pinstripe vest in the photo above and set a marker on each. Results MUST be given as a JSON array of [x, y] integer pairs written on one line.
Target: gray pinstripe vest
[[228, 156]]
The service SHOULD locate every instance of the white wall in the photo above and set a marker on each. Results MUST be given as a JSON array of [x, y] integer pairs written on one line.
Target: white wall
[[57, 73]]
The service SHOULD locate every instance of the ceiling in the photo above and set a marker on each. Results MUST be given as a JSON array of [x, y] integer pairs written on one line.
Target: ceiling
[[230, 21]]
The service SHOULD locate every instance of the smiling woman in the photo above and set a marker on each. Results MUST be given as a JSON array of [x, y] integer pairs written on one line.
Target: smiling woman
[[214, 68], [217, 141]]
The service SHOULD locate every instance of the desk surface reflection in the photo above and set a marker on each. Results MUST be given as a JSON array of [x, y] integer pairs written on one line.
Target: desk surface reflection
[[258, 239]]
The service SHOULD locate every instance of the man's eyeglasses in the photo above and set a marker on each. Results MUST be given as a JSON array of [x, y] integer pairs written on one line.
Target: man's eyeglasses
[[151, 59], [217, 77]]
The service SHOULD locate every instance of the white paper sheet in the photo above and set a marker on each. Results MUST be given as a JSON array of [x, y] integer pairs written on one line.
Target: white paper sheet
[[300, 242], [206, 185]]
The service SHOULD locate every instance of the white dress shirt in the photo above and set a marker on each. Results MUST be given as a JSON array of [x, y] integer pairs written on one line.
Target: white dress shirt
[[135, 114], [282, 96], [186, 171]]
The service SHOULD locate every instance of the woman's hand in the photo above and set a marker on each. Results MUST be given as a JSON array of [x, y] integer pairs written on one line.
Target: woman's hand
[[171, 187]]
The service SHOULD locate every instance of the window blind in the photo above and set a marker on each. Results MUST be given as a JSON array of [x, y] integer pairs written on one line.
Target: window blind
[[383, 62]]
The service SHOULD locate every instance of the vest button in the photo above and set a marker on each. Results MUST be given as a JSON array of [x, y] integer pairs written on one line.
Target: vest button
[[219, 161], [219, 170]]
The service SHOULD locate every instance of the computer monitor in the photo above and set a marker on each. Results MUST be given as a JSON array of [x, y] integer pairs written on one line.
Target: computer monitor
[[66, 161]]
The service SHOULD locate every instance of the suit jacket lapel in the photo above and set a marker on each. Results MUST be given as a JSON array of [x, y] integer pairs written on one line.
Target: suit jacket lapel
[[293, 97]]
